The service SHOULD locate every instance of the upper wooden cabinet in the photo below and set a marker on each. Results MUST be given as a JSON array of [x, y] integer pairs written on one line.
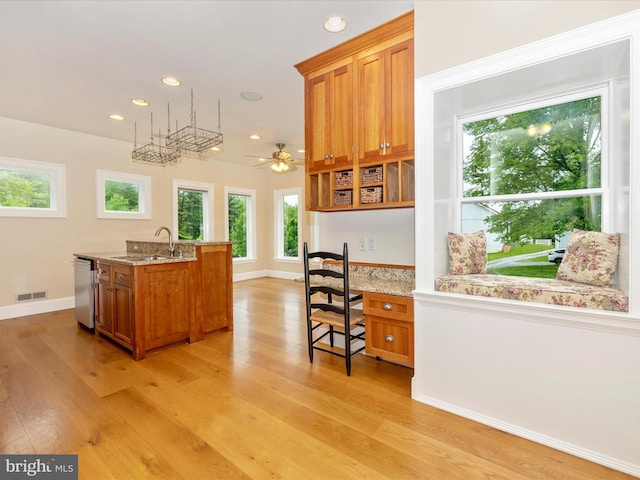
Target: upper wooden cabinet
[[359, 127], [329, 118], [385, 103]]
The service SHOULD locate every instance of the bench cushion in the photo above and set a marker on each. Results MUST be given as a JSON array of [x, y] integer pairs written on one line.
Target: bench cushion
[[540, 290]]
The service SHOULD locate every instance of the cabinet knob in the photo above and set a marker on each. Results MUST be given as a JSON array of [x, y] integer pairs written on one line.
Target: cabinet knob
[[326, 156], [331, 155], [381, 146], [121, 276], [389, 338], [387, 306], [387, 144]]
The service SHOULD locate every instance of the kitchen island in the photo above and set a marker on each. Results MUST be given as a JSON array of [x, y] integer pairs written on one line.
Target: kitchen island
[[147, 299]]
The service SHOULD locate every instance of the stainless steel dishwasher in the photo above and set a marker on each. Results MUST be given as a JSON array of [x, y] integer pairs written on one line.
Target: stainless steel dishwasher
[[84, 286]]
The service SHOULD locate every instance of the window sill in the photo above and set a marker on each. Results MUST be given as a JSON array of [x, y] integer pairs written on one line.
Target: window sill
[[584, 318]]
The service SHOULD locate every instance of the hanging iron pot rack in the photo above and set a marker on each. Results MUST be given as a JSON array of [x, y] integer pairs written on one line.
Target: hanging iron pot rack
[[189, 139]]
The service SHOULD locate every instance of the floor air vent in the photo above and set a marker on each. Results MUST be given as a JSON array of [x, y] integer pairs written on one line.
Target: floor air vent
[[27, 297]]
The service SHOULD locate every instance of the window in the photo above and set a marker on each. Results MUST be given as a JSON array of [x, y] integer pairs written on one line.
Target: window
[[287, 217], [241, 221], [596, 80], [31, 189], [537, 171], [123, 195], [192, 210]]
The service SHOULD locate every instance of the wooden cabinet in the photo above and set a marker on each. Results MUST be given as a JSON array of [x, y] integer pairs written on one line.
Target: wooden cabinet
[[329, 118], [115, 303], [144, 307], [385, 104], [214, 307], [389, 327], [359, 115]]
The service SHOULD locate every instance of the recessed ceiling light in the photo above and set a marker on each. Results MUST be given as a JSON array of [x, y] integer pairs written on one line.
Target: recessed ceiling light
[[255, 137], [115, 116], [172, 82], [140, 102], [301, 150], [335, 24], [251, 96], [215, 149]]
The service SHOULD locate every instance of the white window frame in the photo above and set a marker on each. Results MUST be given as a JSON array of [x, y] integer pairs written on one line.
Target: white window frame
[[251, 221], [144, 195], [57, 185], [278, 205], [602, 191], [207, 204]]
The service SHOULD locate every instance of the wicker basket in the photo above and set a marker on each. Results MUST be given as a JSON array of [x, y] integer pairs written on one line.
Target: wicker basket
[[371, 175], [342, 197], [344, 179], [371, 195]]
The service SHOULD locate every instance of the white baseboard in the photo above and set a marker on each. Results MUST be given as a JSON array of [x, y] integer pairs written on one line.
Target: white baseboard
[[592, 456], [237, 277], [34, 308]]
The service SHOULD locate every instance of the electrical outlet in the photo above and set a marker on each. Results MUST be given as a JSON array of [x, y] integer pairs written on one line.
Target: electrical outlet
[[371, 243], [363, 244]]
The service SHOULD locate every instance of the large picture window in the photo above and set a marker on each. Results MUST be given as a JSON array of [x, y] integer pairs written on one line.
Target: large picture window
[[537, 171], [241, 222], [287, 218], [192, 210], [31, 189]]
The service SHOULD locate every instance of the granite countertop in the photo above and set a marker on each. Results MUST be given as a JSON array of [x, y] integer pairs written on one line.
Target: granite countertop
[[385, 279], [135, 258]]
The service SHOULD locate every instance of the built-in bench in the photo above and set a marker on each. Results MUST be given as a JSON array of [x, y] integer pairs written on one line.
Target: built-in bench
[[540, 290]]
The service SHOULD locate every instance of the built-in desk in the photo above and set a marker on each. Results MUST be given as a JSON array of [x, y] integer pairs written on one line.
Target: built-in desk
[[387, 305]]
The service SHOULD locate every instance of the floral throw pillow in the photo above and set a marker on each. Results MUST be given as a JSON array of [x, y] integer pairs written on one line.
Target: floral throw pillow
[[590, 258], [467, 253]]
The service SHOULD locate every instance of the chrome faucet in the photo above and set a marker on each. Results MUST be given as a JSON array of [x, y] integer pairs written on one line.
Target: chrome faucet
[[172, 247]]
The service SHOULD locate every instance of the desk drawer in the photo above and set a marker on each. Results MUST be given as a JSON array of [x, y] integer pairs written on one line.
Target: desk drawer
[[389, 339], [388, 306]]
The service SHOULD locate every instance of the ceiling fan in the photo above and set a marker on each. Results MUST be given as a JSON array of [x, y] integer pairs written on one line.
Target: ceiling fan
[[280, 162]]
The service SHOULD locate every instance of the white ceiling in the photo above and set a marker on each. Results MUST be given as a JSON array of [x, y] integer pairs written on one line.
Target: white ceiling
[[69, 64]]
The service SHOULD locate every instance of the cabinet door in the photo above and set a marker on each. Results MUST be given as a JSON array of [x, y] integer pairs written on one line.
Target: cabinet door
[[371, 103], [317, 118], [104, 320], [385, 99], [122, 314], [217, 287], [399, 130], [329, 119]]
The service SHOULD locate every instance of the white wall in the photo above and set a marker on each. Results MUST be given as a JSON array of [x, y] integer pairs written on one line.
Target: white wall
[[392, 230], [38, 252], [563, 378]]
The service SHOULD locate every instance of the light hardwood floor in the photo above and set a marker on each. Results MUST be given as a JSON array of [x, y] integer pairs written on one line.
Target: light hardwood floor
[[245, 404]]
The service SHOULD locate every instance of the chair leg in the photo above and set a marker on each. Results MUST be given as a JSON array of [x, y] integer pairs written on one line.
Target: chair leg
[[310, 341], [331, 335], [347, 350]]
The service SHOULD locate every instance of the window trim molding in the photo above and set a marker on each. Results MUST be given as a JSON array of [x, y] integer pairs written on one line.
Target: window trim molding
[[610, 31], [144, 195], [278, 241], [207, 207], [251, 221], [57, 185]]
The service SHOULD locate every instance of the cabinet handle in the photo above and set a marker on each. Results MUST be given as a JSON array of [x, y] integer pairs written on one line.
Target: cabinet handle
[[387, 306], [389, 338], [121, 276]]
